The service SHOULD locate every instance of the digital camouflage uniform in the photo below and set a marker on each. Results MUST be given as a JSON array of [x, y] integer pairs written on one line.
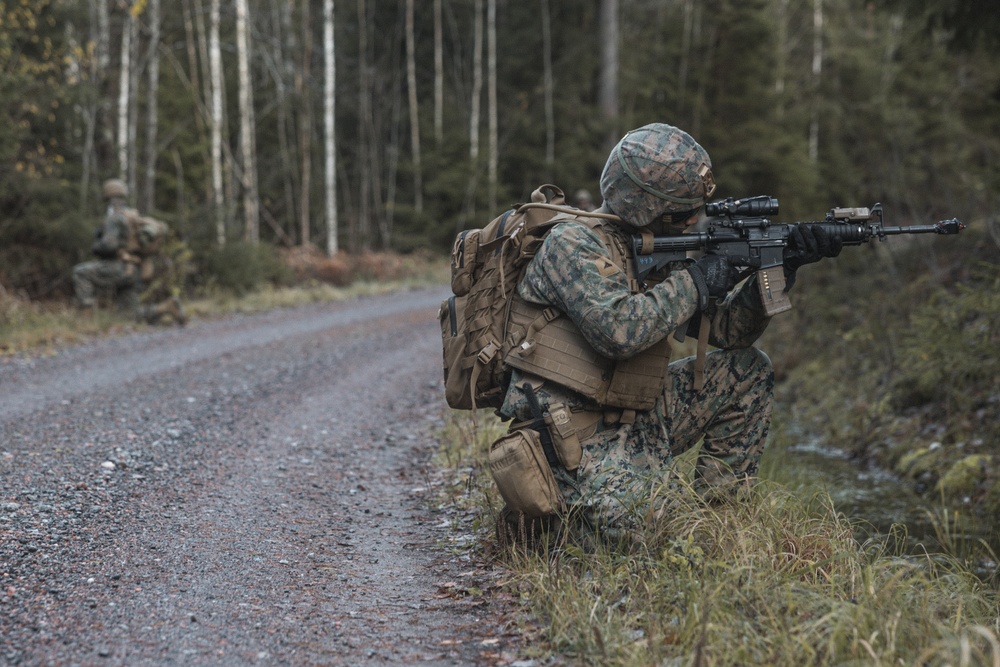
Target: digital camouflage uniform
[[627, 467]]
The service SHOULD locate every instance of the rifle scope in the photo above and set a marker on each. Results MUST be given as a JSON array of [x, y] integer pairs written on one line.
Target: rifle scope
[[760, 205]]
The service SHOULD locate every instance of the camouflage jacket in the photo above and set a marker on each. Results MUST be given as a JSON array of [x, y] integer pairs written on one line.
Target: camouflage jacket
[[572, 272], [112, 236]]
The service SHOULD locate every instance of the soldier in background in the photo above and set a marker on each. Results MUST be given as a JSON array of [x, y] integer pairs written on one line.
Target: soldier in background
[[583, 201], [125, 247]]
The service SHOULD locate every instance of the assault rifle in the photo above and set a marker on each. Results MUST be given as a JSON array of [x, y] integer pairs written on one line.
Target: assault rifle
[[742, 230]]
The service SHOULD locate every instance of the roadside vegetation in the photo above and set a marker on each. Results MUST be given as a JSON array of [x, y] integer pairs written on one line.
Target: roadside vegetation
[[770, 578], [239, 279]]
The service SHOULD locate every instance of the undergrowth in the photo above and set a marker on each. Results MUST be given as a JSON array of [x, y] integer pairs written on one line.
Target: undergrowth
[[768, 578]]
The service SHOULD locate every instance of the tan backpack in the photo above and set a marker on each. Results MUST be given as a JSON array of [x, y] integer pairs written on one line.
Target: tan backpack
[[145, 235], [486, 266]]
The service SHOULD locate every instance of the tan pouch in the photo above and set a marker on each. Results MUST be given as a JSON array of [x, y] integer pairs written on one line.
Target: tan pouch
[[565, 439], [522, 474]]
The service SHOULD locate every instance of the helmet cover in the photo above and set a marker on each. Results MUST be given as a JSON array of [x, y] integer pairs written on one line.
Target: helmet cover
[[654, 170], [114, 189]]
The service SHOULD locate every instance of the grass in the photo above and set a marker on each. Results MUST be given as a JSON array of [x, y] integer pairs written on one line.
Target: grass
[[32, 327], [769, 578]]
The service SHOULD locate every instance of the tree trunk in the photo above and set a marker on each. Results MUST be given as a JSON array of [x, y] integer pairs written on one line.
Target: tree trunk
[[608, 90], [215, 66], [148, 200], [329, 118], [491, 84], [477, 81], [362, 221], [817, 70], [438, 75], [251, 212], [124, 94], [550, 123], [411, 79], [305, 123]]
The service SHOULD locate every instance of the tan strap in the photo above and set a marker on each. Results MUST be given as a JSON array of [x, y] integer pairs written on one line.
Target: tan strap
[[699, 361]]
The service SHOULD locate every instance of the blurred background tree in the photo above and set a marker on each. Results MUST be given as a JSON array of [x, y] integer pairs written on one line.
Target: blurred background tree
[[816, 102]]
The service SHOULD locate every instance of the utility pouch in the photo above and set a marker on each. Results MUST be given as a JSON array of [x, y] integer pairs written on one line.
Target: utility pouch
[[523, 475], [565, 440]]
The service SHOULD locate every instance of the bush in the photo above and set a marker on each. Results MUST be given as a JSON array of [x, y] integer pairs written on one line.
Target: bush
[[242, 267]]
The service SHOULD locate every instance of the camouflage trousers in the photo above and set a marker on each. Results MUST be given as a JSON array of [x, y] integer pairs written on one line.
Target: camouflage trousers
[[120, 280], [107, 277], [628, 472]]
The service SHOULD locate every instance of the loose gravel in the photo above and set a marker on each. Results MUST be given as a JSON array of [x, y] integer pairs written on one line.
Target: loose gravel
[[247, 490]]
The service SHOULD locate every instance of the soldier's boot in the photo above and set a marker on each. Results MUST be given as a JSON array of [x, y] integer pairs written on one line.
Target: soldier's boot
[[170, 307], [177, 310]]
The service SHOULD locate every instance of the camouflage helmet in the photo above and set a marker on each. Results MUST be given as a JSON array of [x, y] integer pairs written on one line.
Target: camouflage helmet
[[114, 189], [655, 170]]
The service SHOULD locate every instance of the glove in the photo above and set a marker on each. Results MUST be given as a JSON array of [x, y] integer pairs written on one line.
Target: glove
[[714, 277], [808, 244]]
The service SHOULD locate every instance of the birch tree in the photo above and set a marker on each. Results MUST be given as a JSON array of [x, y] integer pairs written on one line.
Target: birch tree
[[477, 80], [215, 67], [411, 79], [329, 123], [305, 123], [148, 199], [125, 93], [251, 213], [817, 71], [361, 222]]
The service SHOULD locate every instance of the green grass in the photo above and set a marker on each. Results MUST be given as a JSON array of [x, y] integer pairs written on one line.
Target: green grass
[[769, 578]]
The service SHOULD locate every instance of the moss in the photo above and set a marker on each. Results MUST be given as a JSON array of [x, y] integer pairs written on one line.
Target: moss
[[964, 476], [920, 461]]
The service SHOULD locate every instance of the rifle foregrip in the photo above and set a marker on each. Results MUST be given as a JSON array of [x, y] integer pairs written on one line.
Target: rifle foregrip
[[771, 283]]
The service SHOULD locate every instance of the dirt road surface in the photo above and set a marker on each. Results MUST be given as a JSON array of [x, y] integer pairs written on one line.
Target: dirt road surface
[[247, 490]]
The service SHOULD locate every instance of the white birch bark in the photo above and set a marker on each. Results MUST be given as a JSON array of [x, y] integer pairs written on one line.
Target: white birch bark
[[411, 80], [329, 124], [817, 71], [152, 107], [477, 80], [215, 68], [305, 124], [251, 212], [124, 94]]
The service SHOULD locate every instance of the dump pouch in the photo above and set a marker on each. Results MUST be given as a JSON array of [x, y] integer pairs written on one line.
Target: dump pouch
[[523, 475]]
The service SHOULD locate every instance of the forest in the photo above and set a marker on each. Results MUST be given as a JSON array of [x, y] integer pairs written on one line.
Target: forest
[[388, 125]]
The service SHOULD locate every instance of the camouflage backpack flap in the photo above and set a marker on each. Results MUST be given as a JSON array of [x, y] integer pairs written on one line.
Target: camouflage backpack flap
[[487, 265], [145, 235]]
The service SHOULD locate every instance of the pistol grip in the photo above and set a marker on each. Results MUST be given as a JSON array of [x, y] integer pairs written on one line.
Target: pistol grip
[[771, 283]]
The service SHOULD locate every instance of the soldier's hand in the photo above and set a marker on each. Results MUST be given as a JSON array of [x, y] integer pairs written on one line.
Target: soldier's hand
[[714, 277], [808, 244]]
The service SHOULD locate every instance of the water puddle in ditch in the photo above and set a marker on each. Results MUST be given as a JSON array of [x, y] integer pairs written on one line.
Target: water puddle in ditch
[[877, 501]]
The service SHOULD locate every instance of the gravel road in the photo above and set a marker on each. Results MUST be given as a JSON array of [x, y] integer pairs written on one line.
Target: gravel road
[[247, 490]]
